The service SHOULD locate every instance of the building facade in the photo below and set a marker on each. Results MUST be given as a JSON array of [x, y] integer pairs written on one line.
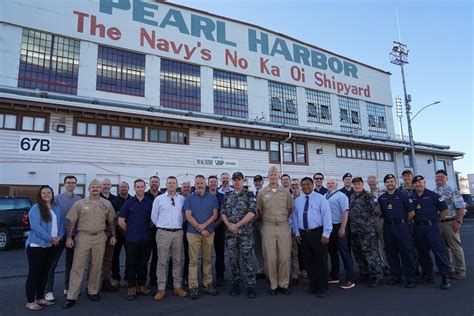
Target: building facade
[[129, 89]]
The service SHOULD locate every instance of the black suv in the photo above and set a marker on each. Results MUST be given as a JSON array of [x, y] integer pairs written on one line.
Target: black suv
[[14, 222]]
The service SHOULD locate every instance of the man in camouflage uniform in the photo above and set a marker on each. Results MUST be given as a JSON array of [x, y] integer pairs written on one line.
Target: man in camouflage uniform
[[237, 210], [451, 224], [363, 208]]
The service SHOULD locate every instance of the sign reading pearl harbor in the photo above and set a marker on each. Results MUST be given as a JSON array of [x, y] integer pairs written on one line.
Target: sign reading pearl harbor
[[179, 33]]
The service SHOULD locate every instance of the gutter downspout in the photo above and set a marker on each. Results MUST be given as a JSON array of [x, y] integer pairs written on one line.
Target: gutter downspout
[[281, 152]]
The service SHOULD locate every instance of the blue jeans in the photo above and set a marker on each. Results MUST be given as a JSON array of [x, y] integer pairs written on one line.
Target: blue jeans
[[340, 246]]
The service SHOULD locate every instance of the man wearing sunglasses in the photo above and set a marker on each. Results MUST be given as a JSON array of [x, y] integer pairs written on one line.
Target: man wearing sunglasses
[[318, 178], [167, 215]]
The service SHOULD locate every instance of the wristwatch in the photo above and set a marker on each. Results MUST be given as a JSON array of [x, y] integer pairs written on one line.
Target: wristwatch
[[459, 222]]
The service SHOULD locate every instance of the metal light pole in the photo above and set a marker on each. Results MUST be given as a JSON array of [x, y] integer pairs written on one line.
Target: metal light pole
[[399, 56]]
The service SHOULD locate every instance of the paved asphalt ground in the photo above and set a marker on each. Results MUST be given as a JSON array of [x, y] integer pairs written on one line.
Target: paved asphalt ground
[[425, 299]]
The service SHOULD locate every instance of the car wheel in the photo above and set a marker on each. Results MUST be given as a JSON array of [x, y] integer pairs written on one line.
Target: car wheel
[[5, 239]]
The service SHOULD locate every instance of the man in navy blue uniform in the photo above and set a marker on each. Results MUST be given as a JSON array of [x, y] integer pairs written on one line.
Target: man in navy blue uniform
[[430, 208], [397, 211], [347, 188]]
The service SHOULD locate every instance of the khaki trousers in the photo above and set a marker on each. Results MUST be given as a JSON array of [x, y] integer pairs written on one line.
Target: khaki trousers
[[85, 246], [295, 264], [200, 244], [108, 258], [169, 244], [276, 240], [453, 247]]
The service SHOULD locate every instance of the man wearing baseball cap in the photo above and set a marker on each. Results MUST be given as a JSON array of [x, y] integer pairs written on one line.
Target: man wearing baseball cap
[[397, 212], [407, 186], [430, 208]]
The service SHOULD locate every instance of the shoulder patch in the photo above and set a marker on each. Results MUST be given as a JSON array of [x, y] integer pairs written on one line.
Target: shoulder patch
[[440, 199]]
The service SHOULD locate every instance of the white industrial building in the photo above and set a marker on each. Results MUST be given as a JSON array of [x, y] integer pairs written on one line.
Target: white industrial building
[[129, 89]]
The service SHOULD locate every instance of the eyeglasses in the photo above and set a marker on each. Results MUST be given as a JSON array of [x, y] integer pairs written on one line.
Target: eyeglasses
[[318, 178], [172, 202]]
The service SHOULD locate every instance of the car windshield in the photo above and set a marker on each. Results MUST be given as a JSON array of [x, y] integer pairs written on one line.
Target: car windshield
[[8, 204]]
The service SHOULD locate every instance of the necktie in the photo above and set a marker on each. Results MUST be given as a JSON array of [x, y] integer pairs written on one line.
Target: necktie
[[305, 213]]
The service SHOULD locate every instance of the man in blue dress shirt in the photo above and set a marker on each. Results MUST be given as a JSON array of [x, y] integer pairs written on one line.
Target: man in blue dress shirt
[[312, 226]]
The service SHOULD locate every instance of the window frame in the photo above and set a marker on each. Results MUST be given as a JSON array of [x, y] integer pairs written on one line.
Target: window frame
[[238, 138], [294, 145], [364, 153], [19, 120], [168, 135], [99, 124]]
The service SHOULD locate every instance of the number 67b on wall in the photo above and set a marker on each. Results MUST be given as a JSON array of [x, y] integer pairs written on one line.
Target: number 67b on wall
[[34, 145]]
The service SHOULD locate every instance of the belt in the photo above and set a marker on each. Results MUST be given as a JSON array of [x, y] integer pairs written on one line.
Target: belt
[[425, 223], [310, 230], [276, 223], [170, 229], [395, 221], [447, 220], [91, 233]]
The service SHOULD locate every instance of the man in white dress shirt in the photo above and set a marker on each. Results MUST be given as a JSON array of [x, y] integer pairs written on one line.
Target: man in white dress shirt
[[167, 215]]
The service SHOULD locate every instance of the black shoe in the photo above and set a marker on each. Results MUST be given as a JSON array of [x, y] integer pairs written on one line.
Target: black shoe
[[69, 304], [106, 286], [273, 292], [251, 292], [394, 280], [410, 284], [211, 290], [193, 293], [293, 282], [310, 291], [322, 294], [220, 282], [260, 276], [94, 297], [376, 283], [445, 284], [428, 278], [284, 291], [386, 271], [235, 289], [363, 278]]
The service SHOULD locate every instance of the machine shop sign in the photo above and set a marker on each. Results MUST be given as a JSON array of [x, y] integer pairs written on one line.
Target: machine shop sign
[[215, 162]]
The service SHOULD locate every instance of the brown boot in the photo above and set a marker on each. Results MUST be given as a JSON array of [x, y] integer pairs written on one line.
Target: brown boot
[[180, 292], [160, 295], [143, 290], [132, 293]]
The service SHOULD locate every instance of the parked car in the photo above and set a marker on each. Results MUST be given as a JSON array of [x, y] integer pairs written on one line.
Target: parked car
[[14, 221], [469, 200]]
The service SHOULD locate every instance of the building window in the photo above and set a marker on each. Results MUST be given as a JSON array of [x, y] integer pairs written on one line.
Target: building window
[[319, 106], [108, 130], [377, 119], [164, 135], [407, 161], [8, 121], [180, 85], [230, 94], [365, 154], [244, 143], [120, 71], [28, 122], [440, 164], [48, 62], [293, 152], [283, 104], [349, 115]]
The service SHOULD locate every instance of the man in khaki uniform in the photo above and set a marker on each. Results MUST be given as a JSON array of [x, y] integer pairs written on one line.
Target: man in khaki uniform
[[89, 215], [275, 203]]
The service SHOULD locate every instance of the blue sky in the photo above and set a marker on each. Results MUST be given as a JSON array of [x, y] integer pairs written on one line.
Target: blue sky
[[439, 35]]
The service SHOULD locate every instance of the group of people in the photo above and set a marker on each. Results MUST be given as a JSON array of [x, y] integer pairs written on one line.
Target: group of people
[[292, 227]]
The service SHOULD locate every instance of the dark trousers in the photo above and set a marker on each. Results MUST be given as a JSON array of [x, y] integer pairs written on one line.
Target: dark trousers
[[399, 245], [154, 257], [428, 237], [316, 259], [301, 258], [39, 262], [50, 281], [339, 247], [186, 254], [116, 258], [219, 248], [138, 254]]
